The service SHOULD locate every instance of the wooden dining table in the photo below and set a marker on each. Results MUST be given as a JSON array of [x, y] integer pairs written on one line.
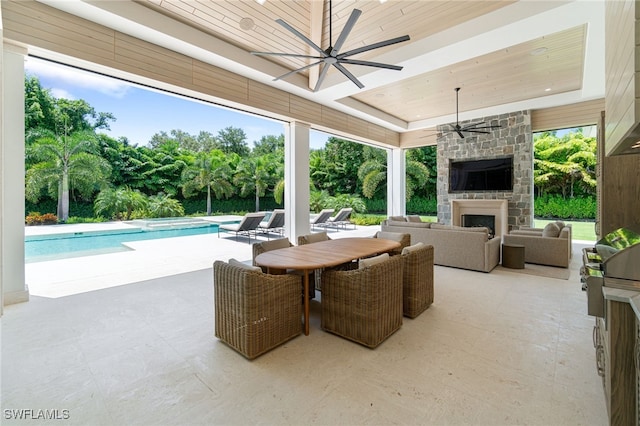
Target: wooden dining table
[[323, 254]]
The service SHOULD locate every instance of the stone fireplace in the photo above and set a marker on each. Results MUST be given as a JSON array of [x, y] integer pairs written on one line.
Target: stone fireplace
[[514, 208]]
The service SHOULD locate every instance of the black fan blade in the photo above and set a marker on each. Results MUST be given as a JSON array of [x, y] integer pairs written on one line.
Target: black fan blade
[[323, 73], [302, 36], [345, 31], [297, 70], [457, 129], [373, 46], [350, 76], [477, 131], [294, 55], [472, 125], [370, 64]]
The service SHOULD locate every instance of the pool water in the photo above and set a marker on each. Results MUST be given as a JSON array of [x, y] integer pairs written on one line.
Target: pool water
[[39, 249]]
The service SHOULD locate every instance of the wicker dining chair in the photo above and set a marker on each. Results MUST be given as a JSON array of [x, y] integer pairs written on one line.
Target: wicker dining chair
[[363, 305], [255, 312], [417, 283], [403, 239]]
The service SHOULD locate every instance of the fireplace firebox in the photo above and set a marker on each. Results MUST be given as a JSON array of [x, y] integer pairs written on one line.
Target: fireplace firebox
[[488, 221]]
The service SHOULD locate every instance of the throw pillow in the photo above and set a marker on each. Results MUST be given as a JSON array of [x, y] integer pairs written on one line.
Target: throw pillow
[[412, 248], [551, 230], [370, 261], [398, 218], [238, 264], [560, 224], [413, 218]]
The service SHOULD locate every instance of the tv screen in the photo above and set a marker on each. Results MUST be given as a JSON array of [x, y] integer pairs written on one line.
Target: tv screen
[[481, 175]]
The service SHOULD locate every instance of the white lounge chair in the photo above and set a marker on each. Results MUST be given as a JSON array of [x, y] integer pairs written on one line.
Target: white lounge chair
[[341, 219], [247, 225], [274, 224]]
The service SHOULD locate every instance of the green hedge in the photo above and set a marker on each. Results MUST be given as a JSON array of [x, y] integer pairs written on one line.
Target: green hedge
[[554, 206], [199, 207]]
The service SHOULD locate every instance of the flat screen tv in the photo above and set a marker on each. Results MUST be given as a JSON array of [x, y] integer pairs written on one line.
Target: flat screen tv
[[495, 174]]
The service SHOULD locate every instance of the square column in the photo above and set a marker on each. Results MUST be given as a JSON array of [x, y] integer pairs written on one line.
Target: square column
[[296, 180], [12, 275], [396, 182]]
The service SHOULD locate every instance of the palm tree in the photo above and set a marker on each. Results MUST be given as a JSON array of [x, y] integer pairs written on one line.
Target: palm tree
[[211, 171], [60, 163], [119, 203], [374, 171], [252, 175], [162, 205]]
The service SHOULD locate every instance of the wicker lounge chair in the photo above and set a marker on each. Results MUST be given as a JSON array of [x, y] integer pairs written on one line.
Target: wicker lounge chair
[[403, 239], [321, 218], [264, 246], [363, 305], [254, 311], [417, 283], [274, 224], [248, 225]]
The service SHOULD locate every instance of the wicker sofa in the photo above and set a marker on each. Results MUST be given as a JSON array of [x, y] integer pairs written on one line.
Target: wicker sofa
[[548, 246], [467, 248]]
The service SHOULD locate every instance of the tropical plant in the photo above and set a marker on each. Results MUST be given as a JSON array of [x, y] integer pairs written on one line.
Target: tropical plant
[[63, 163], [162, 205], [211, 171], [119, 203], [253, 177]]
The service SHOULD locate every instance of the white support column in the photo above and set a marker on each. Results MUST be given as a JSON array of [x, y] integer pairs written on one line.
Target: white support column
[[396, 182], [12, 276], [296, 180]]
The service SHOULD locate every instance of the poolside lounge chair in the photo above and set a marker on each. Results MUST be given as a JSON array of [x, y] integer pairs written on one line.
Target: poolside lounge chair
[[249, 224], [274, 224], [321, 218], [340, 219]]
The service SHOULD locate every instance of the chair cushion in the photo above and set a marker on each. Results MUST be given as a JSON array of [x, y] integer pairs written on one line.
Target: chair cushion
[[551, 230], [370, 261], [398, 218], [238, 264], [413, 218], [316, 237], [280, 243], [560, 224], [412, 248]]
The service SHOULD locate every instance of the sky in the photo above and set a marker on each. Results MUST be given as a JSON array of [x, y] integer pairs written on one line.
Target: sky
[[140, 113]]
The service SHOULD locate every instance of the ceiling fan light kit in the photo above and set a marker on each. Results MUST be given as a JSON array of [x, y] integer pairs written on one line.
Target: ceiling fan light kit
[[331, 55]]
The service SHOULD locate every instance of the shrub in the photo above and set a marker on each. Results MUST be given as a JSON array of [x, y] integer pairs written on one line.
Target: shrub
[[35, 218], [554, 206], [367, 219], [422, 205]]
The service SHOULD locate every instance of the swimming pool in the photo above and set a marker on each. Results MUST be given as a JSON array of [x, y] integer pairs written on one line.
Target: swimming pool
[[52, 247]]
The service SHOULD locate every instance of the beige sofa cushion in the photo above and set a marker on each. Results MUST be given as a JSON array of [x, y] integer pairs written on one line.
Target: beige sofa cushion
[[397, 218], [551, 230], [409, 224], [414, 218], [370, 261]]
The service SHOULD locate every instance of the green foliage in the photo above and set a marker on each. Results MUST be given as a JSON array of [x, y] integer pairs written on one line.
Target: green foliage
[[554, 206], [421, 205], [119, 204], [376, 205], [367, 219], [86, 219], [162, 205]]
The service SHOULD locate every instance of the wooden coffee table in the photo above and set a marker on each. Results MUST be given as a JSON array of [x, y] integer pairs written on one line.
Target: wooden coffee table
[[319, 255]]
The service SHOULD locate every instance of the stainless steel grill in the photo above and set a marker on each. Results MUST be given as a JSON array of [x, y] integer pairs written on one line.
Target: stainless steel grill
[[614, 261]]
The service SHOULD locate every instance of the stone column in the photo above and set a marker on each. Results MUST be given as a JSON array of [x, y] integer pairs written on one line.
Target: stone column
[[12, 276], [296, 178]]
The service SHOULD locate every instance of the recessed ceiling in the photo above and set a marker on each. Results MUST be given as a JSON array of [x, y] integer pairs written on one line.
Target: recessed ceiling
[[505, 55]]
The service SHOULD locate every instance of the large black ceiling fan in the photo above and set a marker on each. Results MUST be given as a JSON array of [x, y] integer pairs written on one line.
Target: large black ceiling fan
[[332, 56], [473, 127]]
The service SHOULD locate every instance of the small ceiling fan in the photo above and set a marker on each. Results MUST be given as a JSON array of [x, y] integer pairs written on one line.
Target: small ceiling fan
[[331, 55], [470, 128], [473, 127]]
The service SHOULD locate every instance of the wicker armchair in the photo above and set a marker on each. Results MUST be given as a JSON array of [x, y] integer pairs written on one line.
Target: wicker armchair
[[264, 246], [417, 283], [403, 239], [254, 311], [363, 305]]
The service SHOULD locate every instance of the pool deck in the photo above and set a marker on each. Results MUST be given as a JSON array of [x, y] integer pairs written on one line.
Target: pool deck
[[148, 260]]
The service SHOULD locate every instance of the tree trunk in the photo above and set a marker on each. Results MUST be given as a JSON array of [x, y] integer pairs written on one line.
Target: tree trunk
[[63, 198], [208, 200], [257, 201]]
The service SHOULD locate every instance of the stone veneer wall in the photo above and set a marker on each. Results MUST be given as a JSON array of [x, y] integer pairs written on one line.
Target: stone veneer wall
[[513, 138]]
